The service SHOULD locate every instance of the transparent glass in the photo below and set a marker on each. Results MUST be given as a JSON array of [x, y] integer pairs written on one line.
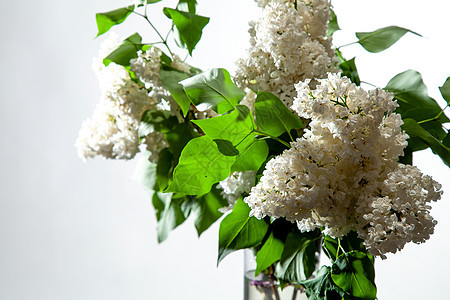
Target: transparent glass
[[263, 287]]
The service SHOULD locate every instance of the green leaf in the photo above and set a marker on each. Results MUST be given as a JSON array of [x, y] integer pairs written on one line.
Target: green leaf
[[330, 247], [427, 118], [252, 157], [413, 129], [126, 51], [273, 117], [407, 158], [239, 231], [187, 6], [430, 124], [186, 203], [445, 90], [201, 165], [234, 127], [168, 214], [226, 147], [411, 93], [145, 172], [349, 70], [446, 140], [179, 137], [159, 120], [213, 89], [351, 241], [108, 19], [163, 168], [170, 80], [322, 287], [333, 25], [158, 205], [298, 260], [269, 253], [381, 39], [354, 273], [206, 209], [189, 26], [233, 134]]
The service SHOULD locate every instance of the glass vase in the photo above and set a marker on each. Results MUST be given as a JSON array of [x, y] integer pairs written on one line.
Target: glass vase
[[263, 287]]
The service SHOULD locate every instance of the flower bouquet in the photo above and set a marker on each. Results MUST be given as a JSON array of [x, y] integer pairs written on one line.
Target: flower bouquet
[[291, 149]]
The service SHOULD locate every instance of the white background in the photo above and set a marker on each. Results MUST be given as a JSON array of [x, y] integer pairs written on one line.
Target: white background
[[74, 230]]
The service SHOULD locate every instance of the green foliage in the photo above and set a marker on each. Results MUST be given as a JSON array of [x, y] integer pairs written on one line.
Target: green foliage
[[126, 51], [170, 80], [381, 39], [208, 159], [273, 117], [201, 165], [354, 273], [213, 89], [445, 90], [415, 130], [179, 136], [169, 214], [235, 127], [298, 260], [333, 25], [108, 19], [252, 157], [407, 158], [239, 231], [446, 140], [330, 247], [415, 104], [164, 167], [206, 209], [269, 253], [145, 172], [349, 70], [190, 167], [159, 120], [189, 26], [322, 287], [428, 121], [229, 144], [187, 6], [411, 92], [349, 242], [173, 209]]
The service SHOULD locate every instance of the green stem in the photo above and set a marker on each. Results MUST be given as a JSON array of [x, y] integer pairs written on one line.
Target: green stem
[[368, 83], [340, 247], [154, 43], [272, 137], [156, 30], [340, 54], [349, 44], [435, 118]]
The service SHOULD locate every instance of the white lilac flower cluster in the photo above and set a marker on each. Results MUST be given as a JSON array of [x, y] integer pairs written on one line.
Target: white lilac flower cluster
[[234, 186], [344, 174], [112, 131], [288, 44], [147, 68]]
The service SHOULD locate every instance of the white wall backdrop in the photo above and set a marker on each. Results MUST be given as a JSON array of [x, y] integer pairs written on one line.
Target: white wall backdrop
[[74, 230]]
